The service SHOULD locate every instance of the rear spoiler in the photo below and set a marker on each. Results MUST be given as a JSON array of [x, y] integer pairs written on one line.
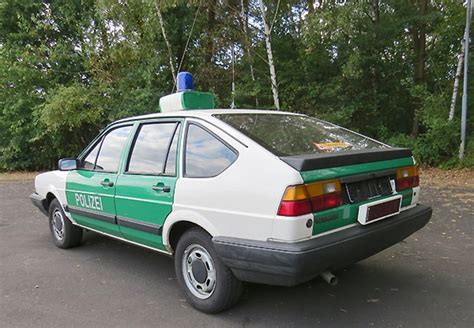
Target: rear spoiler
[[309, 162]]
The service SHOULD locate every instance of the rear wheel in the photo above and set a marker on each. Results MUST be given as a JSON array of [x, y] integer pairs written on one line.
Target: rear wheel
[[64, 233], [209, 285]]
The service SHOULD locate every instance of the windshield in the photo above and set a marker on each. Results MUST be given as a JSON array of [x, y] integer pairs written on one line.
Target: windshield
[[287, 135]]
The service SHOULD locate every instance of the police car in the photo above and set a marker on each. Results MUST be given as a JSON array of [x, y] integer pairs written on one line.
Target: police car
[[235, 195]]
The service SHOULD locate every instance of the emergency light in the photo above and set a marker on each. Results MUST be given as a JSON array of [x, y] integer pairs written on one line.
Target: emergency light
[[186, 98]]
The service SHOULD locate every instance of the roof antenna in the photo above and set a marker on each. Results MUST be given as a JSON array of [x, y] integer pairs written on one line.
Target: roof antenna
[[187, 43], [232, 105]]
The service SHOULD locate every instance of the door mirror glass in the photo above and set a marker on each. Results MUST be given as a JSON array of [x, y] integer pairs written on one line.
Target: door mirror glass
[[68, 164]]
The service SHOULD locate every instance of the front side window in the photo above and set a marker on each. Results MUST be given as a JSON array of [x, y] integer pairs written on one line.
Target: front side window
[[206, 156], [149, 154], [170, 166], [111, 149], [89, 162]]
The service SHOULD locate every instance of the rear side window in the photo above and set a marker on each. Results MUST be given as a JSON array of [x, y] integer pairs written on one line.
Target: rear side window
[[105, 156], [150, 151], [206, 155], [286, 135]]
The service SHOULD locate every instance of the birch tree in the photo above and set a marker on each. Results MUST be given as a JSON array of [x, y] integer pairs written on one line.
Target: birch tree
[[457, 78], [456, 83], [271, 65]]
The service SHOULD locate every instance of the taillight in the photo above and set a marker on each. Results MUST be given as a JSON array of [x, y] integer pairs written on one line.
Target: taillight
[[294, 208], [407, 177], [295, 201], [324, 194], [312, 197]]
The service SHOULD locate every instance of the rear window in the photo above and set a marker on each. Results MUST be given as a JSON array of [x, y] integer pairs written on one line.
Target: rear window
[[287, 135]]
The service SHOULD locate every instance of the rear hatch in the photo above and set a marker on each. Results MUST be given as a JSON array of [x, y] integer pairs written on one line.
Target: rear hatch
[[346, 175]]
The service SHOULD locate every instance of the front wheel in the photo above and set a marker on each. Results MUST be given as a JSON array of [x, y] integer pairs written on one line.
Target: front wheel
[[64, 233], [209, 285]]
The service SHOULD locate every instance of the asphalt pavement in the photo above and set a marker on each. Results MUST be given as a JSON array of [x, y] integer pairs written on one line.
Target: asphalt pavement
[[425, 281]]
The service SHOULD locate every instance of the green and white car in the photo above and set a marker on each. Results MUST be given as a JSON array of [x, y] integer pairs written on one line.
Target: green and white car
[[236, 196]]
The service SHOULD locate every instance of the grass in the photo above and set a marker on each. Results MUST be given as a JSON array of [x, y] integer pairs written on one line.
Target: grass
[[17, 176]]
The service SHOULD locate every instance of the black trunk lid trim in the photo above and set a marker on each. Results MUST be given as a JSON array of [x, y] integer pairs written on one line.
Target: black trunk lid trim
[[327, 160]]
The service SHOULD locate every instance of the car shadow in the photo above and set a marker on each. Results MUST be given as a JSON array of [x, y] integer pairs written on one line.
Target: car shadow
[[373, 292]]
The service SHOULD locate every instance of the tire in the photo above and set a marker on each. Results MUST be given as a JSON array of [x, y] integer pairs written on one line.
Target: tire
[[64, 233], [208, 284]]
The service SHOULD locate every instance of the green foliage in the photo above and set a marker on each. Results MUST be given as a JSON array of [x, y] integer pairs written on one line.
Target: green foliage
[[69, 108], [440, 141], [67, 68]]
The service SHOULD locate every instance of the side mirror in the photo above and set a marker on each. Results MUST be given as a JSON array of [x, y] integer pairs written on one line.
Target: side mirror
[[68, 164]]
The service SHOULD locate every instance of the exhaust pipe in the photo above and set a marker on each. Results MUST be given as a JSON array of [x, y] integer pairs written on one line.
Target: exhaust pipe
[[329, 278]]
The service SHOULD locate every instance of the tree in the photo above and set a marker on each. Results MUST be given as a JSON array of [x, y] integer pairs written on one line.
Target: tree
[[271, 65], [382, 67]]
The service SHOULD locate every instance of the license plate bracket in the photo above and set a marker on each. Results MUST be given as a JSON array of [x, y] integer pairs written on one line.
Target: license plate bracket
[[379, 210], [360, 191]]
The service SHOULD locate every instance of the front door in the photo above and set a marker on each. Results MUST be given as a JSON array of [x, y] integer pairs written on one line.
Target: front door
[[90, 190], [144, 192]]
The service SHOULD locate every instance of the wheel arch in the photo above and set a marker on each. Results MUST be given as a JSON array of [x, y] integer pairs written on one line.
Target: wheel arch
[[54, 193], [179, 222], [49, 198]]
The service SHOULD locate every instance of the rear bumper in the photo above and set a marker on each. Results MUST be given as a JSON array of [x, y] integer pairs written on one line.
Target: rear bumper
[[40, 202], [288, 264]]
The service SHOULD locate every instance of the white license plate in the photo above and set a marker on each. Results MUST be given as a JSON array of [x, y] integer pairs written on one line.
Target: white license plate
[[379, 210]]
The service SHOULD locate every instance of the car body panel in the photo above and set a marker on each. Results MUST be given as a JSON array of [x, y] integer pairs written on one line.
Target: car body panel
[[141, 208], [141, 211], [334, 218], [342, 171], [245, 195], [91, 204], [54, 183]]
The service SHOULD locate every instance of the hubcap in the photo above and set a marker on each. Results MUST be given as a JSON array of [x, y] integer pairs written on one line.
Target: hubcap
[[199, 271], [57, 223]]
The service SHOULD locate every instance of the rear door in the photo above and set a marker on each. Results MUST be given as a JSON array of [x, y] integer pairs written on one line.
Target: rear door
[[90, 189], [145, 190]]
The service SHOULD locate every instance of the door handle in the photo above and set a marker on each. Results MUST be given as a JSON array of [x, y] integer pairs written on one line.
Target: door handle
[[161, 188], [107, 183]]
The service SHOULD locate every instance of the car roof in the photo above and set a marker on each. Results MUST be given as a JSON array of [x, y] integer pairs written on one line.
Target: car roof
[[203, 113]]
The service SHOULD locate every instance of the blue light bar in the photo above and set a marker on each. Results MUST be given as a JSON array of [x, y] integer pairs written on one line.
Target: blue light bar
[[185, 82]]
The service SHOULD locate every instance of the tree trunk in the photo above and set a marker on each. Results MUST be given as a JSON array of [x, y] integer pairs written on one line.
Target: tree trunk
[[168, 45], [456, 83], [458, 77], [211, 22], [209, 46], [419, 38], [271, 66], [104, 38], [376, 9], [375, 64], [310, 4]]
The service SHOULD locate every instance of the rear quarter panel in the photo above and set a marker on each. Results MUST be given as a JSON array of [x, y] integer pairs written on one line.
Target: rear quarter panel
[[240, 202]]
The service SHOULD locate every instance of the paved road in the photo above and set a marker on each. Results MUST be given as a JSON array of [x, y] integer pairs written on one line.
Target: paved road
[[425, 281]]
